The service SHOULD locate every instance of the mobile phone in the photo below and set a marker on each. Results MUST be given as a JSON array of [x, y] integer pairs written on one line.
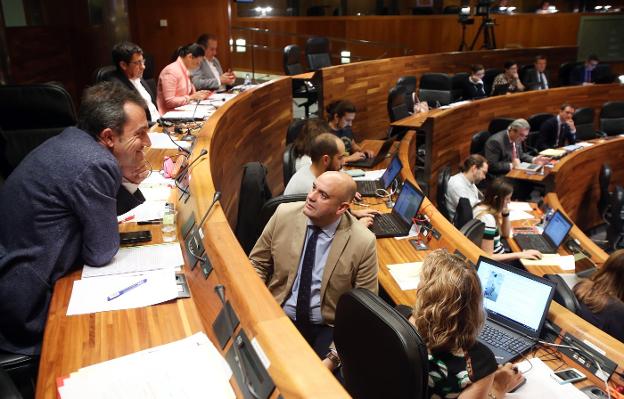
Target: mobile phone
[[568, 375], [133, 237]]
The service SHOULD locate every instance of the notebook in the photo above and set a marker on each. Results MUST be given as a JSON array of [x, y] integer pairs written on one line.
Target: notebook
[[368, 188], [516, 303], [399, 221], [554, 234], [370, 162]]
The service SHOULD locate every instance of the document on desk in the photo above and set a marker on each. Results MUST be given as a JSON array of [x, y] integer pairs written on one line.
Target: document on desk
[[565, 262], [160, 141], [148, 210], [186, 369], [540, 384], [520, 206], [407, 275], [139, 259], [200, 113], [124, 291], [371, 175], [520, 215]]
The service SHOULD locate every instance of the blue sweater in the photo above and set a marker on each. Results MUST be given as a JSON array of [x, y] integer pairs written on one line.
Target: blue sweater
[[57, 212]]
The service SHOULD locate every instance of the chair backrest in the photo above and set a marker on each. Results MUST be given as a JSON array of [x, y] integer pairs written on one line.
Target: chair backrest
[[498, 124], [584, 123], [103, 74], [369, 333], [397, 108], [524, 69], [463, 213], [536, 121], [435, 88], [451, 10], [292, 60], [294, 128], [288, 163], [612, 118], [443, 179], [564, 296], [603, 74], [473, 230], [149, 71], [615, 229], [565, 70], [477, 143], [409, 83], [317, 52], [8, 390], [254, 193], [269, 207], [488, 79], [457, 84], [604, 179]]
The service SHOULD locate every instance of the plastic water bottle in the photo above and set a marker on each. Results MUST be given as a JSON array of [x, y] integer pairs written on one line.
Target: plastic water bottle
[[247, 79]]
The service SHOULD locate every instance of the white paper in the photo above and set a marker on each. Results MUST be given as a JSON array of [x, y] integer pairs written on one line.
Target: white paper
[[520, 206], [540, 384], [92, 295], [564, 262], [520, 215], [139, 259], [584, 144], [413, 232], [160, 141], [148, 210], [407, 275], [371, 175], [201, 113]]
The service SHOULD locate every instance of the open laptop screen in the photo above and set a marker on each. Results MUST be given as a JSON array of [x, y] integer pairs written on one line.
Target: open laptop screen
[[391, 172], [557, 228], [408, 203], [514, 297]]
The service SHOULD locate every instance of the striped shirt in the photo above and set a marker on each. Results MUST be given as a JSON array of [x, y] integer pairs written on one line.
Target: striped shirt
[[492, 231]]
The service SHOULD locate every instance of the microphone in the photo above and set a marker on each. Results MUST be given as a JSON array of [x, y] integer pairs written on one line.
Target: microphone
[[162, 123], [187, 168], [195, 110], [238, 341], [203, 259], [215, 198]]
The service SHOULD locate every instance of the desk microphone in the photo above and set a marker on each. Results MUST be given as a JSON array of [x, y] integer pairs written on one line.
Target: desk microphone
[[182, 172], [215, 199], [195, 110], [162, 123], [237, 341]]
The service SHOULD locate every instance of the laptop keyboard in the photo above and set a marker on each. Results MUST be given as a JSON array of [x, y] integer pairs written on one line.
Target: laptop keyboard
[[387, 224], [499, 339], [368, 186], [533, 241]]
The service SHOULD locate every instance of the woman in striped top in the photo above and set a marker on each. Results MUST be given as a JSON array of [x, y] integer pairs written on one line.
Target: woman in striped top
[[494, 212]]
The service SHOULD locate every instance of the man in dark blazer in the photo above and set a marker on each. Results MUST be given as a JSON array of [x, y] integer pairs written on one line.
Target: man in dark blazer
[[503, 150], [584, 74], [130, 65], [58, 208], [536, 78], [559, 130]]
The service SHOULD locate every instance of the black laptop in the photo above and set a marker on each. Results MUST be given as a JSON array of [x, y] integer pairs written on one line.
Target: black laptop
[[370, 162], [554, 234], [398, 222], [516, 303], [368, 188]]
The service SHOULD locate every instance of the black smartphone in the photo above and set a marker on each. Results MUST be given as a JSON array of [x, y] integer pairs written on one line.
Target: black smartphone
[[133, 237]]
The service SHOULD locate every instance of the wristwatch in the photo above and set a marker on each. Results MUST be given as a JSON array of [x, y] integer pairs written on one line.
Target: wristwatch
[[335, 359]]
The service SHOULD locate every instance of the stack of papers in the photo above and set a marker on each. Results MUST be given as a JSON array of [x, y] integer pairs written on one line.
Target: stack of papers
[[540, 384], [371, 175], [149, 210], [140, 259], [185, 369], [187, 114], [554, 153], [160, 141], [564, 262], [407, 275]]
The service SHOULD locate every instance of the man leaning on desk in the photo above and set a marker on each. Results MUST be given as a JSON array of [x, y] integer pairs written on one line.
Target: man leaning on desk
[[58, 208]]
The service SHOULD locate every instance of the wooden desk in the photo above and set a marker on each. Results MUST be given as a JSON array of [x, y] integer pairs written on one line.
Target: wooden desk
[[415, 121]]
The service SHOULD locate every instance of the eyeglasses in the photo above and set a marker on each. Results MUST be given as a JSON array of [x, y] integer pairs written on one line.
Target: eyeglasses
[[139, 62]]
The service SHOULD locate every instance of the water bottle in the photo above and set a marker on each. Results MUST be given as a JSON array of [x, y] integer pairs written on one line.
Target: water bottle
[[247, 79]]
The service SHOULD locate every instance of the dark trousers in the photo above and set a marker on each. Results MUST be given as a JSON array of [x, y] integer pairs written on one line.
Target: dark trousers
[[318, 336]]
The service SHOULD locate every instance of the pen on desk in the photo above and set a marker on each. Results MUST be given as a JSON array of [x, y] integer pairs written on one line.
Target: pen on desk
[[154, 221], [123, 291], [129, 218]]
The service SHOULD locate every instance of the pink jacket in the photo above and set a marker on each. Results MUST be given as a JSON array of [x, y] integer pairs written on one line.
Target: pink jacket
[[174, 85]]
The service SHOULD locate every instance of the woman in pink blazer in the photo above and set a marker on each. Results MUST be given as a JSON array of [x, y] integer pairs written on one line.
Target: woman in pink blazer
[[174, 85]]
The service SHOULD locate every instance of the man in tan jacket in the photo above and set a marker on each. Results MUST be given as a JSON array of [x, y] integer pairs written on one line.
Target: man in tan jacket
[[311, 253]]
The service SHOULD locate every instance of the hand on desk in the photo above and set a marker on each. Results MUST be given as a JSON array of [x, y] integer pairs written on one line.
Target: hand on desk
[[506, 378], [356, 156], [531, 254], [227, 78], [541, 160], [200, 95], [365, 216]]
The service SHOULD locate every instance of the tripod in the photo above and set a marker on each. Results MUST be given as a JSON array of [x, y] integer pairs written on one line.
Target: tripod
[[463, 45], [487, 28]]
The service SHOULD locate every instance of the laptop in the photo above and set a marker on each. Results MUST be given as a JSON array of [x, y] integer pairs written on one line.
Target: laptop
[[370, 162], [398, 222], [368, 188], [516, 303], [554, 234]]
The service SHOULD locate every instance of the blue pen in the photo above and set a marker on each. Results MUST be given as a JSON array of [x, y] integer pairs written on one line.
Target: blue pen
[[123, 291]]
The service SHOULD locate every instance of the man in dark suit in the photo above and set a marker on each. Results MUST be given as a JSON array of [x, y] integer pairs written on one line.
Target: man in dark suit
[[503, 150], [584, 74], [558, 130], [130, 65], [536, 77]]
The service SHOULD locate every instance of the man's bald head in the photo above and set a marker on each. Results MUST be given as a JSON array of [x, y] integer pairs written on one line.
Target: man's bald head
[[329, 198], [345, 185]]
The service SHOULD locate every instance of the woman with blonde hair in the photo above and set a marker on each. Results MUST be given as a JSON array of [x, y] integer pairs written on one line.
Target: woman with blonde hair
[[448, 315], [601, 297]]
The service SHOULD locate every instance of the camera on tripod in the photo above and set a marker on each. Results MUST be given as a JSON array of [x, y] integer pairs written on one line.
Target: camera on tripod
[[483, 8], [486, 27]]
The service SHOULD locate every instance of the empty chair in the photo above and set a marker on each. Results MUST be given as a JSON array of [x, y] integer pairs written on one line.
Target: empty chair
[[435, 88], [536, 121], [564, 295], [604, 200], [612, 118], [473, 230], [103, 74], [443, 179], [397, 109], [254, 193], [288, 163], [524, 69], [488, 78], [29, 115], [463, 213], [477, 143], [269, 207], [615, 229], [300, 88], [565, 70], [603, 74], [369, 333], [409, 84], [317, 52], [584, 122], [457, 84], [498, 124]]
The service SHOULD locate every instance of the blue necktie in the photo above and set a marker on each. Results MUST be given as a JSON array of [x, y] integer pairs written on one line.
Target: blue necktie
[[302, 310]]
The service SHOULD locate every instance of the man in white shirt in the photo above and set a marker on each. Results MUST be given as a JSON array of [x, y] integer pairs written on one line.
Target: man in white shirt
[[210, 75], [130, 64], [464, 184]]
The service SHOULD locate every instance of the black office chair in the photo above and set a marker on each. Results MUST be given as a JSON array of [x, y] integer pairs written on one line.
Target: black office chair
[[603, 74], [584, 122], [477, 143], [564, 296], [8, 390], [397, 109], [269, 207], [382, 354], [604, 200], [294, 128], [422, 10], [22, 371], [443, 179], [565, 70], [300, 88], [498, 124], [29, 115], [463, 213], [457, 84], [254, 193], [288, 163], [103, 74], [523, 71], [435, 88], [317, 53], [615, 229], [473, 230], [454, 10], [409, 83], [535, 121], [488, 79], [612, 118]]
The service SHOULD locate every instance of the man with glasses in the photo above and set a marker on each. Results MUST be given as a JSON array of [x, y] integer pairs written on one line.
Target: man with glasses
[[585, 74], [130, 64]]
